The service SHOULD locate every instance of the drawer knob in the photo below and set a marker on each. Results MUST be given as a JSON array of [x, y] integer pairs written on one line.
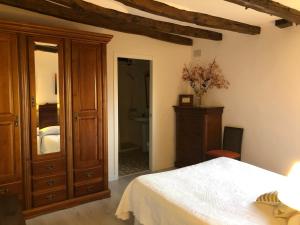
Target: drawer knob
[[89, 174], [3, 191], [50, 197], [50, 182], [50, 167]]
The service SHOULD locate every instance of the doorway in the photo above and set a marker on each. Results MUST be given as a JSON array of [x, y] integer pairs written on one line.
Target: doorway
[[133, 115]]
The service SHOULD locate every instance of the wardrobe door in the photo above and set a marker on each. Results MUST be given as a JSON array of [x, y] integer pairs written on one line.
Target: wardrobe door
[[87, 117], [10, 151], [48, 164]]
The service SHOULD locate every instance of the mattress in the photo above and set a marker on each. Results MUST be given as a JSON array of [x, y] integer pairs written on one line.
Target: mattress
[[217, 192]]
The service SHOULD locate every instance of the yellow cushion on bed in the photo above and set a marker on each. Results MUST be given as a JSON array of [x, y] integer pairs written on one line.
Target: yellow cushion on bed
[[270, 198], [283, 211], [280, 210]]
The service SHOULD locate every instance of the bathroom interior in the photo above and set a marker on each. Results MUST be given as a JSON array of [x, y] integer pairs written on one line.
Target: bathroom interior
[[134, 99]]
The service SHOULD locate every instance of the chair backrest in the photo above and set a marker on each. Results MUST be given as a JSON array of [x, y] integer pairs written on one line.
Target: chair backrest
[[232, 139]]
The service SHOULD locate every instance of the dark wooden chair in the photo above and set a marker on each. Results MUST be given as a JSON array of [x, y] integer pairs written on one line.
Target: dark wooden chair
[[11, 211], [232, 144]]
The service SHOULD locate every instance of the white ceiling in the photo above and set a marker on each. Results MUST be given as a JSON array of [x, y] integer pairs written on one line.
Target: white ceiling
[[218, 8]]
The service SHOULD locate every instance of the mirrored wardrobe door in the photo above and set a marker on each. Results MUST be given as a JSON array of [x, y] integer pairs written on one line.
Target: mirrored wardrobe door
[[47, 97]]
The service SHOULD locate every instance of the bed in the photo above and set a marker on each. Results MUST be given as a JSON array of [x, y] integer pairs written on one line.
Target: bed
[[48, 140], [48, 131], [217, 192]]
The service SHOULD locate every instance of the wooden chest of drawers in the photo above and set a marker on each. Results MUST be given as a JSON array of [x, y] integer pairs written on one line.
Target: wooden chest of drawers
[[89, 187], [49, 196], [88, 174], [198, 129], [48, 167], [49, 182]]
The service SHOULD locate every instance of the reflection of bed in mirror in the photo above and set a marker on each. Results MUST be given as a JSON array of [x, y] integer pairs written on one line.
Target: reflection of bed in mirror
[[48, 131]]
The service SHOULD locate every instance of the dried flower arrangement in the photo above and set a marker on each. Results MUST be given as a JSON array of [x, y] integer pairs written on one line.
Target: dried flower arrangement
[[202, 78]]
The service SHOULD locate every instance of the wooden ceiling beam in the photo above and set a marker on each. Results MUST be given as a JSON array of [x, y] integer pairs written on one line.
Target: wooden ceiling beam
[[201, 19], [270, 7], [87, 13], [67, 13], [64, 3], [146, 22]]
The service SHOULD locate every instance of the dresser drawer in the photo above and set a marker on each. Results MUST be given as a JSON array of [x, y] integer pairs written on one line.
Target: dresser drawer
[[89, 174], [40, 199], [48, 182], [48, 167], [90, 188], [11, 189]]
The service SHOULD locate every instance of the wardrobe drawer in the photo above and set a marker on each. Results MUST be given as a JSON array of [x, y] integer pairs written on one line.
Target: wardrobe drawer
[[48, 182], [48, 167], [83, 175], [90, 188], [11, 189], [49, 197]]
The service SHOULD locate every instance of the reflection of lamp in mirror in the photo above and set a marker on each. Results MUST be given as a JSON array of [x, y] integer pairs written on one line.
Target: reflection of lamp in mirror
[[290, 192]]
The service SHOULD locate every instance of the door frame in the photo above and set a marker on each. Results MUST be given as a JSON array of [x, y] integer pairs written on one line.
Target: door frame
[[116, 109]]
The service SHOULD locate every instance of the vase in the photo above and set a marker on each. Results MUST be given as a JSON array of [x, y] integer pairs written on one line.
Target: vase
[[198, 100]]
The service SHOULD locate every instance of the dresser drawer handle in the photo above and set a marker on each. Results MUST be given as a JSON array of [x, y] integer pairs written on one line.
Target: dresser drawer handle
[[3, 191], [89, 174], [50, 167], [50, 197], [50, 182]]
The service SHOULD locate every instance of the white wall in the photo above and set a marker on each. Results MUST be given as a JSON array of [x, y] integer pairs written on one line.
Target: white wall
[[168, 60], [46, 67], [264, 96]]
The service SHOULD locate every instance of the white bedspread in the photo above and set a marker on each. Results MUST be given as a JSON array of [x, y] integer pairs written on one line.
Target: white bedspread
[[50, 144], [218, 192]]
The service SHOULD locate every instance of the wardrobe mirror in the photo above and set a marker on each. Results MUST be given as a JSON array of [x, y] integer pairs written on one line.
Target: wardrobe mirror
[[47, 102]]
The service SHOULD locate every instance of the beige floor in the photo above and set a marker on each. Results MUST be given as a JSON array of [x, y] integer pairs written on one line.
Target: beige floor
[[94, 213]]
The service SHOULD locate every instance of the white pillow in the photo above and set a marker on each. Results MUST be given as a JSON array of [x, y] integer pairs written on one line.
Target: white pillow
[[53, 130]]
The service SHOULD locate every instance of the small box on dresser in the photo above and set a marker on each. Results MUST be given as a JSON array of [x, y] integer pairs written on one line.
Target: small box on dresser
[[198, 129]]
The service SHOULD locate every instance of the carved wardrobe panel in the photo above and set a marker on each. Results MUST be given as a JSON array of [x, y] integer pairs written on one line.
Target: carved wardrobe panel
[[10, 150], [87, 95]]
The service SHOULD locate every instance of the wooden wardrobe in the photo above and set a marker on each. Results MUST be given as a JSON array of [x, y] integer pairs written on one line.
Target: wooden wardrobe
[[53, 119]]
